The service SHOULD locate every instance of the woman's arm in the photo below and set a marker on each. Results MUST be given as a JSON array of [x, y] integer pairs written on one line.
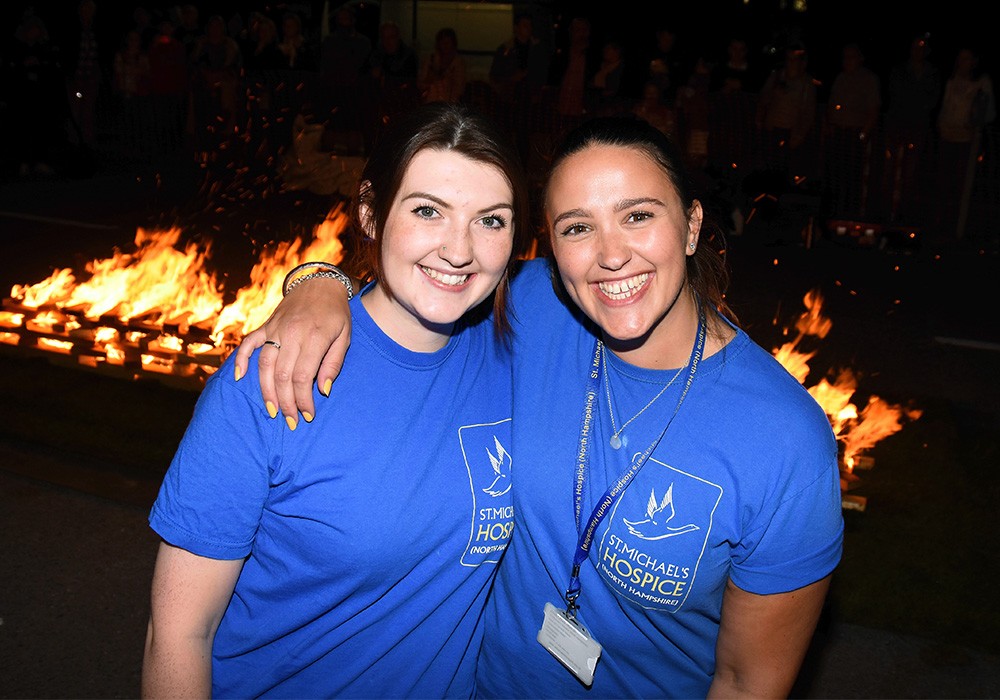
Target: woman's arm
[[763, 640], [312, 326], [189, 596]]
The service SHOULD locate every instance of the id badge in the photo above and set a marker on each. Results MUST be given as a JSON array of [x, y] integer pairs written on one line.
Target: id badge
[[570, 642]]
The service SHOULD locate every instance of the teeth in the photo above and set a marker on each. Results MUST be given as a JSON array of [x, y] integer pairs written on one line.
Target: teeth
[[623, 289], [450, 280]]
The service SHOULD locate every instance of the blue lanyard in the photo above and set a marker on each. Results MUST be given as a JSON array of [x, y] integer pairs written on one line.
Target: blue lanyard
[[603, 507]]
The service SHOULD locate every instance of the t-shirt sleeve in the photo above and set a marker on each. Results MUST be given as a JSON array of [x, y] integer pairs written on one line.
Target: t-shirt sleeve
[[800, 540], [213, 494]]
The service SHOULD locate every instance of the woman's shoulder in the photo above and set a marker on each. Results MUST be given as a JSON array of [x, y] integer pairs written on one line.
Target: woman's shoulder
[[767, 382]]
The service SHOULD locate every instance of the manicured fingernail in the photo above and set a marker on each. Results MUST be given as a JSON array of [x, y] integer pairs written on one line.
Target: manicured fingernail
[[308, 416], [271, 410], [291, 422], [239, 373], [327, 385]]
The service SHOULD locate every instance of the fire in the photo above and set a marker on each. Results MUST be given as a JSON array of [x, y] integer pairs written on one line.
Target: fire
[[253, 303], [856, 430], [158, 308]]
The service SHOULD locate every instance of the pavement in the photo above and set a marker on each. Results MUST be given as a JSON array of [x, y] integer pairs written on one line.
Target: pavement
[[75, 581], [77, 554]]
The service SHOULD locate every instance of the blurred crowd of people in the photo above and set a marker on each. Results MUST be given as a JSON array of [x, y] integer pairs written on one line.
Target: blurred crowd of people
[[869, 144]]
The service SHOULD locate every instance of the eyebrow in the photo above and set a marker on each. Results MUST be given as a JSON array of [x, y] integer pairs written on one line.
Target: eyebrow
[[438, 200], [622, 205]]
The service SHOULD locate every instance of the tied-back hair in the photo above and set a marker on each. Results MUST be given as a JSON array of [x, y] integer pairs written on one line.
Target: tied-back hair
[[440, 126], [707, 269]]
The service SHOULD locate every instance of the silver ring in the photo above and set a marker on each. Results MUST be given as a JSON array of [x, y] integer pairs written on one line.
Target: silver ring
[[275, 343]]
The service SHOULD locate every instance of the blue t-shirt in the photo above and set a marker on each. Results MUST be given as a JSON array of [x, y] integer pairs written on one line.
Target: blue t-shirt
[[371, 535], [743, 485]]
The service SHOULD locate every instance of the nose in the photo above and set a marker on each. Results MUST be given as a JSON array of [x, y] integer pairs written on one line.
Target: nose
[[456, 249], [612, 250]]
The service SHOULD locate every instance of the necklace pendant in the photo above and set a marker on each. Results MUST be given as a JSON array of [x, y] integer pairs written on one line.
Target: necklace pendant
[[616, 442]]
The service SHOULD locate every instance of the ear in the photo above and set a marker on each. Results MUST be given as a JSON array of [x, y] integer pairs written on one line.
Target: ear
[[365, 213], [695, 216]]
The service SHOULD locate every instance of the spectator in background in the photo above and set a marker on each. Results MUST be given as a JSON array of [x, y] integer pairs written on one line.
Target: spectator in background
[[260, 50], [786, 116], [85, 73], [574, 69], [189, 30], [36, 130], [142, 22], [664, 64], [299, 55], [131, 74], [267, 88], [605, 90], [216, 63], [692, 115], [519, 71], [914, 92], [167, 85], [735, 74], [444, 75], [852, 114], [392, 67], [967, 106], [343, 62], [131, 67], [732, 98], [654, 110]]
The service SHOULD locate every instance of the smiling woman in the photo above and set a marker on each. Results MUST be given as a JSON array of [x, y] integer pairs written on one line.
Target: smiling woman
[[279, 547]]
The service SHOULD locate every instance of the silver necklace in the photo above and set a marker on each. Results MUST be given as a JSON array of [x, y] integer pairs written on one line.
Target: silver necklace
[[615, 440]]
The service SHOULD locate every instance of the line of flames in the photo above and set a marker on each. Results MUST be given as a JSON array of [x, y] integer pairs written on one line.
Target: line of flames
[[172, 292]]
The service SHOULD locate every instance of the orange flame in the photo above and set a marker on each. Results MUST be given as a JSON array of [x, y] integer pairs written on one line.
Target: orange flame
[[160, 284], [856, 430], [157, 280], [253, 304]]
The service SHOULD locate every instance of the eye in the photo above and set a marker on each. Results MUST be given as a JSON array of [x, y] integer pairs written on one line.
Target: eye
[[425, 211], [574, 230], [494, 221], [638, 216]]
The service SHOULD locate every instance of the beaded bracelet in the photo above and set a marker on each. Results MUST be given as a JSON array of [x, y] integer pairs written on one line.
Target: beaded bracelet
[[325, 270]]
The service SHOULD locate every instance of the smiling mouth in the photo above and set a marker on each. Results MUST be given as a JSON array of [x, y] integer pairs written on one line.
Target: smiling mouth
[[623, 289], [448, 280]]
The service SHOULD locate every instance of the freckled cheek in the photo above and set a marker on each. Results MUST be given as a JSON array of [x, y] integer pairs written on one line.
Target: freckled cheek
[[493, 255]]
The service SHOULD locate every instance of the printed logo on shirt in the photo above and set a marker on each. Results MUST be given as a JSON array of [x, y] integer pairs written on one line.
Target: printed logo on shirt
[[489, 466], [656, 536]]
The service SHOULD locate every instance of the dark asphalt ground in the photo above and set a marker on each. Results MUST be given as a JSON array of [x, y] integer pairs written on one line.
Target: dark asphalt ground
[[76, 554]]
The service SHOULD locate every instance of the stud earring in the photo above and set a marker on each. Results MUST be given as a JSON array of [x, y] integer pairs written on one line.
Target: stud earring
[[691, 246]]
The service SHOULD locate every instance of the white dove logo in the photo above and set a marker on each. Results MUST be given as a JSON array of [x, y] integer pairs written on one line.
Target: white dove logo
[[656, 524], [501, 467]]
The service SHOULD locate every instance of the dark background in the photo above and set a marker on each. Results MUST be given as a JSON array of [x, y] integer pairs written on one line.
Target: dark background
[[883, 29]]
